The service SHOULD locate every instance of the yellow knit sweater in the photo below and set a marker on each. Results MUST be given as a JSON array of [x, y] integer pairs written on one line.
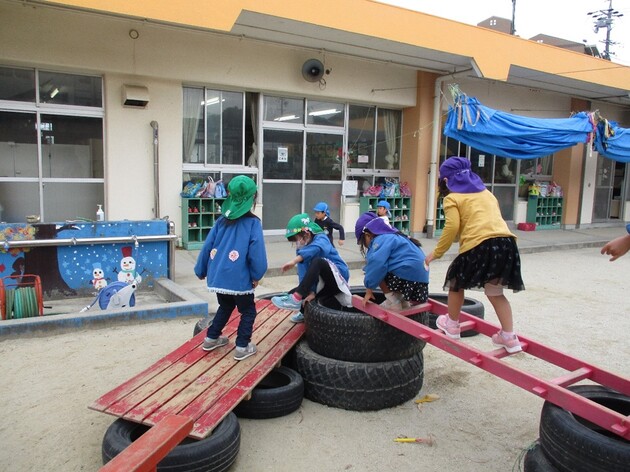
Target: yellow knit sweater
[[475, 217]]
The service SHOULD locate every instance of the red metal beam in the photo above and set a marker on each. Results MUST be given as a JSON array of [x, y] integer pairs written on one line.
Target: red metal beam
[[144, 454], [553, 391]]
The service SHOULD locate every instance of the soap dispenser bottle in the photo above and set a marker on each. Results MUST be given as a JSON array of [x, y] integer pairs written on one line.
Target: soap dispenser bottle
[[100, 214]]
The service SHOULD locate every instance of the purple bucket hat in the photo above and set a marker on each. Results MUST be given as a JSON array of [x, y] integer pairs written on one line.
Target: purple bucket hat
[[378, 226], [364, 219], [460, 178]]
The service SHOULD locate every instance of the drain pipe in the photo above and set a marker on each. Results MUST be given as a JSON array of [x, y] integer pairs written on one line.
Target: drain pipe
[[156, 170], [435, 139]]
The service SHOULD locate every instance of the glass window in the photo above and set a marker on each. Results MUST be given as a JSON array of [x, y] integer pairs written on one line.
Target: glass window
[[282, 155], [505, 170], [72, 147], [17, 84], [361, 136], [284, 110], [36, 149], [325, 113], [70, 89], [323, 156], [232, 128], [18, 144], [481, 164], [540, 167], [388, 131]]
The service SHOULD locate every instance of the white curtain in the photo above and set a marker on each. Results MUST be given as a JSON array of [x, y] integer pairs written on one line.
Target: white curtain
[[193, 104], [253, 110], [390, 121]]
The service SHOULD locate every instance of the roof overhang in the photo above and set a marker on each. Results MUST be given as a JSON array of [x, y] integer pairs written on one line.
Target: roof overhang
[[385, 33]]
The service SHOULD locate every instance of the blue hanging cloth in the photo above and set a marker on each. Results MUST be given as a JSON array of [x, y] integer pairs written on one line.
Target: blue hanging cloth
[[612, 141], [508, 135]]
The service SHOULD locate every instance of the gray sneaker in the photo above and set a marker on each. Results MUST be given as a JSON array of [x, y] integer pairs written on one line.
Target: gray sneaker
[[241, 353], [212, 344]]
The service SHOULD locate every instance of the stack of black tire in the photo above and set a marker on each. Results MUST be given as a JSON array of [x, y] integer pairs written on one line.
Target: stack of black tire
[[568, 443], [353, 361]]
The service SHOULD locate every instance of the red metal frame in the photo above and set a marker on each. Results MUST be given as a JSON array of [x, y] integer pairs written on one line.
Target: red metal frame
[[553, 390]]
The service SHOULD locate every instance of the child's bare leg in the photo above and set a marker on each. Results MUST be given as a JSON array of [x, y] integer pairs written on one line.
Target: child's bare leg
[[455, 303], [384, 287], [503, 310]]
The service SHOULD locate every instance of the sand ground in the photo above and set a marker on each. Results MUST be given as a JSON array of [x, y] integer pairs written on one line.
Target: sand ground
[[576, 301]]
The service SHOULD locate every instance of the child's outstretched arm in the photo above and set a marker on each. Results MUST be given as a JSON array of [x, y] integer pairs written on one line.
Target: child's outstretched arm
[[292, 263], [617, 247]]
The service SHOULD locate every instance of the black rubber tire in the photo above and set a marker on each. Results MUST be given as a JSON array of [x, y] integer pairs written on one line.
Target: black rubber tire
[[536, 461], [573, 444], [278, 394], [471, 306], [348, 334], [358, 386], [203, 324], [216, 453]]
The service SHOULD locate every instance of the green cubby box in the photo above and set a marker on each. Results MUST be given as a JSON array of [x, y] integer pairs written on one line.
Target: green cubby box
[[400, 208], [198, 218], [440, 219], [546, 212]]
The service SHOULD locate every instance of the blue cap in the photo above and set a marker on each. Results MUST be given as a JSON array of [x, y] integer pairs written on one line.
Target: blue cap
[[384, 204], [321, 206]]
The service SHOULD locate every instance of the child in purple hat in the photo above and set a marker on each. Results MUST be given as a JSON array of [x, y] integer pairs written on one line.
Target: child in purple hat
[[394, 263], [488, 256]]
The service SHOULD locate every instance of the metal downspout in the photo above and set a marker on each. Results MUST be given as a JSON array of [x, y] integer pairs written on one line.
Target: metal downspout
[[435, 138], [156, 170]]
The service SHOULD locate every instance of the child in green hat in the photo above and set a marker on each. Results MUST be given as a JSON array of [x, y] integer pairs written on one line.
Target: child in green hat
[[321, 270], [232, 260]]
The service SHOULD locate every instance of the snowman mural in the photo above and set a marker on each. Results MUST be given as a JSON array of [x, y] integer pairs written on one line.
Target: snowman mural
[[128, 268], [99, 280]]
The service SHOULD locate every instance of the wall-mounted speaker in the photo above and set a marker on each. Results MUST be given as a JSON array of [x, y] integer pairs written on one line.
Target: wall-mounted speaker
[[313, 70]]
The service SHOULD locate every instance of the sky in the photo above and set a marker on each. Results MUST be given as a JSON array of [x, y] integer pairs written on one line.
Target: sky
[[565, 19]]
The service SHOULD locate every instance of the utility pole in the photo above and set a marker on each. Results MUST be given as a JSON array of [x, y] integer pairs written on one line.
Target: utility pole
[[513, 26], [605, 19]]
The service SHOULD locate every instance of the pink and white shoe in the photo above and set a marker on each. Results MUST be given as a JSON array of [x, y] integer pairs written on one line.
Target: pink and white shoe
[[510, 344], [452, 330]]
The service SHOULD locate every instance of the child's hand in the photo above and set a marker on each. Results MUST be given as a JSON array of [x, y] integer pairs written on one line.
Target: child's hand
[[310, 297], [369, 295], [617, 247], [341, 242], [255, 283]]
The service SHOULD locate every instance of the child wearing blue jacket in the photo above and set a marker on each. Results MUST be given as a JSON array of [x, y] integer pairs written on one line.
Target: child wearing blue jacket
[[394, 263], [232, 260], [321, 270]]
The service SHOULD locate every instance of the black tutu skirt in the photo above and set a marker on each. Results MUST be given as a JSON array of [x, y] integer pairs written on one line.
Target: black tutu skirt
[[410, 290], [495, 260]]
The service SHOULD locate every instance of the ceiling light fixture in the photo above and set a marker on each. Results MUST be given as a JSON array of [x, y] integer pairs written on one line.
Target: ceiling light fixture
[[330, 111], [286, 118]]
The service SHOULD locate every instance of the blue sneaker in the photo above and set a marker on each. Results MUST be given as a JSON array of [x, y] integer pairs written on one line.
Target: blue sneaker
[[287, 302], [297, 318]]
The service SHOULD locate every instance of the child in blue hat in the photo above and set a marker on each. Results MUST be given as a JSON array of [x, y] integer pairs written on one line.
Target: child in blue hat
[[232, 260], [323, 219], [382, 211]]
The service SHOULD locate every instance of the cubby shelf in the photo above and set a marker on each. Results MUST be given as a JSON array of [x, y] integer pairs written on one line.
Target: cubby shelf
[[546, 212], [198, 218], [400, 208]]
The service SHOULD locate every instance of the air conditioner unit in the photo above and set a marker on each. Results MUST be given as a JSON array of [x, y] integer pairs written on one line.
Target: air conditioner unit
[[135, 96]]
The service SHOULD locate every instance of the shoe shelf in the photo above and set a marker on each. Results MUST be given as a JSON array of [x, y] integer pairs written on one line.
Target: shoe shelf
[[400, 208], [198, 218], [440, 219], [546, 212]]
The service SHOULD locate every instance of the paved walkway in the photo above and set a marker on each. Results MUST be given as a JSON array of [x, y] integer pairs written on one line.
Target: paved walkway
[[279, 250]]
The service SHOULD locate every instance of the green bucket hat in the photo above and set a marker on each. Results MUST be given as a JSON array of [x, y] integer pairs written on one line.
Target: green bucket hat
[[240, 199], [302, 222]]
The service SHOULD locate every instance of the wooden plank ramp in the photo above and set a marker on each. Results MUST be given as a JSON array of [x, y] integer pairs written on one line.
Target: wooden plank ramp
[[204, 386]]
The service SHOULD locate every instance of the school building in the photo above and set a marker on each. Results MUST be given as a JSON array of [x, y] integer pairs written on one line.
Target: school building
[[120, 103]]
